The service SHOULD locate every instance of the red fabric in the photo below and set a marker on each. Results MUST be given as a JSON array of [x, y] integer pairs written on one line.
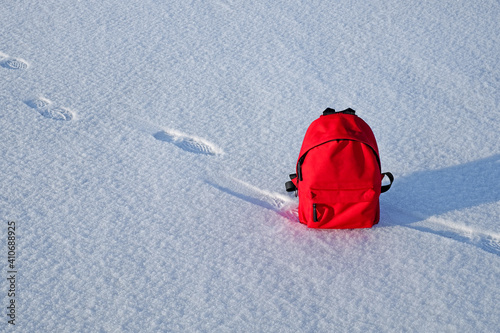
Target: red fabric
[[341, 177]]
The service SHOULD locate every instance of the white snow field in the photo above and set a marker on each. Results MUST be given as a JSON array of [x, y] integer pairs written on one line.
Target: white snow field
[[144, 147]]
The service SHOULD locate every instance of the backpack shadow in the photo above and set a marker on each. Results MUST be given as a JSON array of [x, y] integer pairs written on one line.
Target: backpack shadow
[[424, 195], [439, 191]]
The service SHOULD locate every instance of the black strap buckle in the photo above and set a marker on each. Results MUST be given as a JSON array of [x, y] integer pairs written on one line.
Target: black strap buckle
[[289, 185], [386, 188]]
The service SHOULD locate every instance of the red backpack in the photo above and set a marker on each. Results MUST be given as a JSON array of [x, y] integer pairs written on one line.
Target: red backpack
[[338, 174]]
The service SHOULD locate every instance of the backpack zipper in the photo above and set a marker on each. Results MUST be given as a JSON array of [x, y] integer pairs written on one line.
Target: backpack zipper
[[303, 157]]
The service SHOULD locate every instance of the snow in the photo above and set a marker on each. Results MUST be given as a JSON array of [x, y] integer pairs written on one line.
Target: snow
[[145, 146]]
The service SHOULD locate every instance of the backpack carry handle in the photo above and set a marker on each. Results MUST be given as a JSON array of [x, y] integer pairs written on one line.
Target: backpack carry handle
[[329, 111]]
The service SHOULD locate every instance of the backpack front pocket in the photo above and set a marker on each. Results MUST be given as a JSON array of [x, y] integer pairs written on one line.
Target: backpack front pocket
[[342, 208]]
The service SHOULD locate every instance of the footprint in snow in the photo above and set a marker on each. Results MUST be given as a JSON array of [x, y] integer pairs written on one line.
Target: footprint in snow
[[188, 143], [483, 239], [12, 63], [281, 204], [491, 245], [46, 108]]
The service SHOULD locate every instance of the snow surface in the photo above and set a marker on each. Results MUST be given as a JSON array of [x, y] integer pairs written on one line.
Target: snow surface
[[145, 145]]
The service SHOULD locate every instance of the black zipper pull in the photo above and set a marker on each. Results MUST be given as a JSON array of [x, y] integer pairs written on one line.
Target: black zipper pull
[[315, 214]]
